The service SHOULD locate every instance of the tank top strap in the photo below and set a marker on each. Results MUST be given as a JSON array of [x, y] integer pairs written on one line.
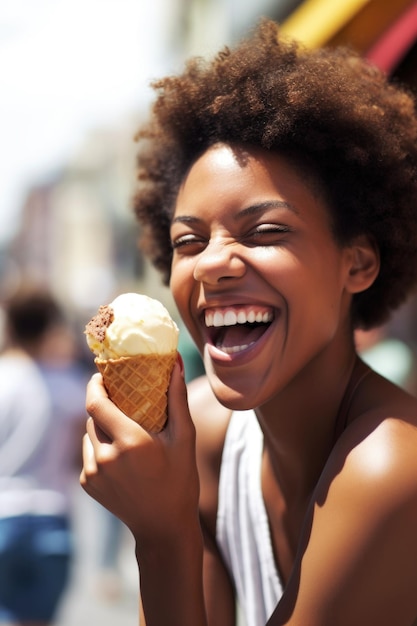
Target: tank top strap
[[359, 372]]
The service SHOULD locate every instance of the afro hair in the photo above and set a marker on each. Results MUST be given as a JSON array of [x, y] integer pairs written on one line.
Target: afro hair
[[330, 111]]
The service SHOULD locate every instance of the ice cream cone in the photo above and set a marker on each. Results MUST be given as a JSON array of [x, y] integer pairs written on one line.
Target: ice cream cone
[[138, 386]]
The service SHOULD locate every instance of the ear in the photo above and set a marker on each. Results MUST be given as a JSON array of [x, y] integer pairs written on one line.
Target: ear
[[364, 264]]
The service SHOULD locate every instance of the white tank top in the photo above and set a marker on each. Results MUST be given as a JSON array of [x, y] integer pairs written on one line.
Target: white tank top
[[242, 529]]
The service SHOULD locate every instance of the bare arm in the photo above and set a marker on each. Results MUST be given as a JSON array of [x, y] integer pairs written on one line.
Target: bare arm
[[151, 483], [211, 420], [358, 560], [218, 590], [171, 581]]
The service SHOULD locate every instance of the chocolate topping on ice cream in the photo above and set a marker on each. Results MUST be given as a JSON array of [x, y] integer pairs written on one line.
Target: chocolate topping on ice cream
[[100, 322]]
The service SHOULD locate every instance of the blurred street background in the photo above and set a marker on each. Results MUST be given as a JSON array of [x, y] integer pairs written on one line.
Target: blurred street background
[[74, 78], [97, 595]]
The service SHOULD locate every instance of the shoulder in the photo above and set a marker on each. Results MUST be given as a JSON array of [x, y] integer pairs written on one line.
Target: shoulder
[[361, 524], [210, 417], [211, 420], [374, 463], [384, 419]]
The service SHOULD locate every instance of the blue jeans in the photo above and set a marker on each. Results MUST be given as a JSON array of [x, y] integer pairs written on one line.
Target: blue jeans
[[35, 555]]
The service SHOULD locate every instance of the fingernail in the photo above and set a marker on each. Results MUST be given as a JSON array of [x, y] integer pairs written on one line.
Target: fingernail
[[181, 362]]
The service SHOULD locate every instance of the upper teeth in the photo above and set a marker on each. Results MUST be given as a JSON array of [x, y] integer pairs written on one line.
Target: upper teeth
[[230, 318]]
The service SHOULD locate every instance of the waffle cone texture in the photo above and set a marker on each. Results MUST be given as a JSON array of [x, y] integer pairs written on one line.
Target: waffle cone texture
[[138, 386]]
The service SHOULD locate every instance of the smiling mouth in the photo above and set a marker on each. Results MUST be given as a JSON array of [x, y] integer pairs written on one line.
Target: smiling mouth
[[234, 329]]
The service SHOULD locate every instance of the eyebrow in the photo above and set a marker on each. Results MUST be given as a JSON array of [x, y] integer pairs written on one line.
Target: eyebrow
[[268, 204], [250, 210]]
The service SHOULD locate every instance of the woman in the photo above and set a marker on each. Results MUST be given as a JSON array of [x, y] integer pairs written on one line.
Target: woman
[[278, 200]]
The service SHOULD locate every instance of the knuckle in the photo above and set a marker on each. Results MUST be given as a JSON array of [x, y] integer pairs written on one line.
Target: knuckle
[[105, 456], [93, 406]]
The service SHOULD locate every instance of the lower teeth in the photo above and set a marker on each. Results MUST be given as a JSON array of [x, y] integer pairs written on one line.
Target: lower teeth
[[234, 349]]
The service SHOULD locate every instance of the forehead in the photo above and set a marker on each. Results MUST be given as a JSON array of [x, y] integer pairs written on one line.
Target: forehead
[[242, 175], [229, 159]]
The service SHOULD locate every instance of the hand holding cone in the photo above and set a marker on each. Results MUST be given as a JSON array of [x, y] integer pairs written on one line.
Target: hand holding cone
[[138, 387]]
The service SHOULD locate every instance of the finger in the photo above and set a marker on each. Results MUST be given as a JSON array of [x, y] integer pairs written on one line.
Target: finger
[[89, 460], [110, 423], [96, 434]]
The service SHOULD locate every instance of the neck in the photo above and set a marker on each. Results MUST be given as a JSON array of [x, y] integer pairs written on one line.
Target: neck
[[299, 424]]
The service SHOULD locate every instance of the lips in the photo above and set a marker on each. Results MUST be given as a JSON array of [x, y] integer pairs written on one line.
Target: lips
[[234, 329]]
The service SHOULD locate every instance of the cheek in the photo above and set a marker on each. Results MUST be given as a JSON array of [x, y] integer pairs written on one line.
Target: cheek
[[177, 292], [181, 285], [312, 289], [317, 305]]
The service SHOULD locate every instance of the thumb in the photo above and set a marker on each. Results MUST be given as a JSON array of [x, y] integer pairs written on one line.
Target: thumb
[[179, 420]]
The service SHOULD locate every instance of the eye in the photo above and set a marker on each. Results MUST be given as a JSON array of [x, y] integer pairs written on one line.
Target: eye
[[267, 235], [188, 243]]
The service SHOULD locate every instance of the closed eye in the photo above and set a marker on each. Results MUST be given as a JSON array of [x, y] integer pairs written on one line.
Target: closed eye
[[266, 235], [262, 235], [188, 240]]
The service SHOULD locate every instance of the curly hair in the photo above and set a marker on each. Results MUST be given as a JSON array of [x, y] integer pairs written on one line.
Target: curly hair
[[331, 112]]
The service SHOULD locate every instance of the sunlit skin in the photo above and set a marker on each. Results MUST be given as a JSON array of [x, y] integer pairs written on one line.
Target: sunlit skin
[[252, 240], [252, 236], [249, 234]]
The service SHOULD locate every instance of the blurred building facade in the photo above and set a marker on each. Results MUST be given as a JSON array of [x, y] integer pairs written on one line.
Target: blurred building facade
[[78, 234]]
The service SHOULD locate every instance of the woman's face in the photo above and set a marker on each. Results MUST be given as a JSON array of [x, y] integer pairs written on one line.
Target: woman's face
[[256, 274]]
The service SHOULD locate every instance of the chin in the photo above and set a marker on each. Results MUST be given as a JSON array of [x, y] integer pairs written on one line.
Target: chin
[[233, 399]]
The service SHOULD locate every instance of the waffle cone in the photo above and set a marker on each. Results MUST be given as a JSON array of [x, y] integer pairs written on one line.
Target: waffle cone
[[138, 386]]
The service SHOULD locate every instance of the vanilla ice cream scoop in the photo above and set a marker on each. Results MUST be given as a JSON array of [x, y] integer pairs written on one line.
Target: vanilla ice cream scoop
[[133, 324]]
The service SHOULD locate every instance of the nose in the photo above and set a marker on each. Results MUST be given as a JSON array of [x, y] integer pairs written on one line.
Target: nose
[[220, 260]]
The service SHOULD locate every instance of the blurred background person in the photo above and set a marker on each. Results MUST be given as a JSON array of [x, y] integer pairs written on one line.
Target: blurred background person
[[41, 417]]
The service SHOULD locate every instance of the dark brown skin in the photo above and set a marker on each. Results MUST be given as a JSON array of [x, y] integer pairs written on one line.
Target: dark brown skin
[[342, 513]]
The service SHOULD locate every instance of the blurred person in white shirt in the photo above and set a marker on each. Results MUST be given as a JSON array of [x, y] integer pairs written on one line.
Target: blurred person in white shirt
[[41, 416]]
